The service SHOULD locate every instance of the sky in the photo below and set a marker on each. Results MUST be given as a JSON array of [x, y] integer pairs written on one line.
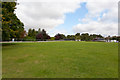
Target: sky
[[70, 16]]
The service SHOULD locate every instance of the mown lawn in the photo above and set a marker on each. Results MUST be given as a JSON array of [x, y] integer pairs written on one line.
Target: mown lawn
[[60, 60]]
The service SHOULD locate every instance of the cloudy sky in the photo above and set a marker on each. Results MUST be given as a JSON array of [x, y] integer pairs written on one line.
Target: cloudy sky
[[70, 16]]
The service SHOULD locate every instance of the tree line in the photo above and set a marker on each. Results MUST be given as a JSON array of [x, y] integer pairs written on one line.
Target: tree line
[[12, 27], [41, 35]]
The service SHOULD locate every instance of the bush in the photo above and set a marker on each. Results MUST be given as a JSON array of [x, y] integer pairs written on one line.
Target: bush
[[29, 39]]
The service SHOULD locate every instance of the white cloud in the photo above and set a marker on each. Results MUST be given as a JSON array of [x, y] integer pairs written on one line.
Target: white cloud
[[45, 14], [106, 24], [97, 28]]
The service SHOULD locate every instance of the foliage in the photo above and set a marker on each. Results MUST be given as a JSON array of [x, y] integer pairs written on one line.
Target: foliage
[[32, 33], [59, 36], [27, 38], [70, 37], [85, 37], [23, 34], [52, 38], [94, 36], [77, 36], [0, 21], [42, 36], [12, 27]]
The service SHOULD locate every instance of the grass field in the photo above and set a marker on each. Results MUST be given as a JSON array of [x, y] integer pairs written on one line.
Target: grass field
[[60, 60]]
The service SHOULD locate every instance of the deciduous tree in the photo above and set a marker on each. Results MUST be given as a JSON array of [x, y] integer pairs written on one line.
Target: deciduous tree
[[12, 27]]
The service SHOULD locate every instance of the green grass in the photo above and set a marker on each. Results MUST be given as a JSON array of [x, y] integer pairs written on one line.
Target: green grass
[[60, 60]]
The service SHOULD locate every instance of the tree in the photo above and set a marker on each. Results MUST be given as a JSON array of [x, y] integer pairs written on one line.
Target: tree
[[23, 34], [77, 36], [114, 38], [42, 35], [118, 38], [12, 27], [85, 37], [108, 38], [30, 32], [33, 33], [95, 36], [39, 30], [70, 37], [0, 21], [59, 36]]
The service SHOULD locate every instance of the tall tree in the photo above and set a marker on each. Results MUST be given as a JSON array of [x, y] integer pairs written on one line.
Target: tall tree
[[39, 30], [33, 33], [30, 32], [12, 27], [0, 21]]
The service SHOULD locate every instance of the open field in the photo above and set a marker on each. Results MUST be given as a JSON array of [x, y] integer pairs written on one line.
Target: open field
[[60, 60]]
